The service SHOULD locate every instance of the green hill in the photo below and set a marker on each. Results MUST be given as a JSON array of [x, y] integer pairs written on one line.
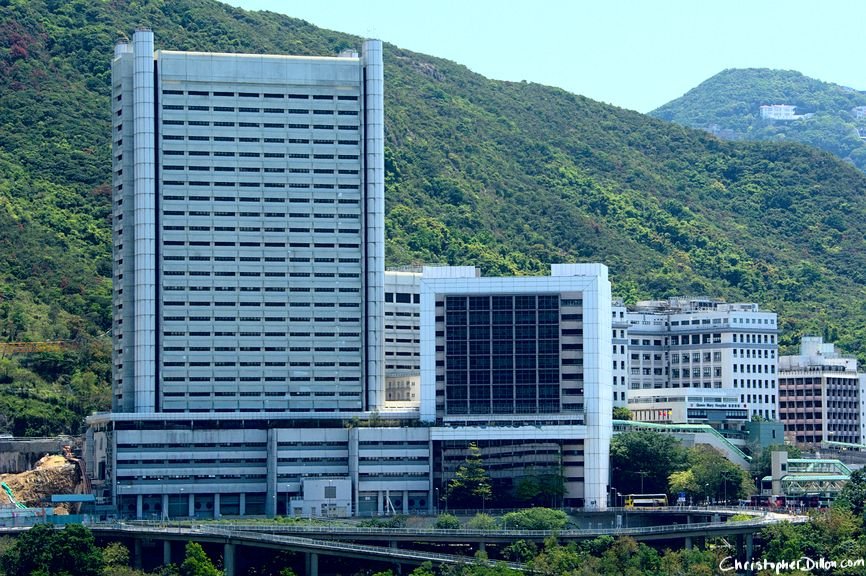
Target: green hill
[[509, 176], [729, 105]]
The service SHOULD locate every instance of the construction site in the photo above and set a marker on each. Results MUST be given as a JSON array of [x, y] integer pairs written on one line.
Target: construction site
[[42, 480]]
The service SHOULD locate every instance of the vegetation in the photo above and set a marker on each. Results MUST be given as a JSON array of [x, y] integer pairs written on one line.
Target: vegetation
[[509, 176], [535, 519], [471, 483], [729, 104], [447, 522], [45, 551], [621, 413], [710, 476], [642, 461]]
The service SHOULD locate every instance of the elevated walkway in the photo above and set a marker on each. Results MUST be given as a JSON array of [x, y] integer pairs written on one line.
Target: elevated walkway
[[696, 433]]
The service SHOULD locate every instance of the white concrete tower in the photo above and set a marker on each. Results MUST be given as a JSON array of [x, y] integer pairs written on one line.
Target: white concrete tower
[[144, 223], [374, 226]]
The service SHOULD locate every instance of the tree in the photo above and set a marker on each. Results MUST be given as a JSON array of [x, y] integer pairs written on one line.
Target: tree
[[853, 495], [649, 454], [536, 519], [683, 481], [717, 477], [447, 522], [471, 480], [197, 563], [621, 413], [44, 550]]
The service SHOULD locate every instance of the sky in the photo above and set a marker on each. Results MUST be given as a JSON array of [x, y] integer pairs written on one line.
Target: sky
[[637, 54]]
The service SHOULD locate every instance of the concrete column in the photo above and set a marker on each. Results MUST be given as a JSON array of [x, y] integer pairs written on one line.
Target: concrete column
[[139, 506], [380, 502], [311, 564], [166, 552], [136, 554], [739, 547], [229, 559], [750, 546], [216, 506], [688, 542], [190, 506], [405, 501], [243, 504], [271, 494], [164, 507]]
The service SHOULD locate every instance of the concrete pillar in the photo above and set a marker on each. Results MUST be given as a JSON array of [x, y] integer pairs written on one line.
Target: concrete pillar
[[165, 506], [136, 554], [139, 506], [482, 547], [739, 546], [166, 552], [688, 542], [311, 564], [190, 509], [405, 501], [243, 504], [216, 506], [271, 484], [750, 546], [229, 559], [380, 502]]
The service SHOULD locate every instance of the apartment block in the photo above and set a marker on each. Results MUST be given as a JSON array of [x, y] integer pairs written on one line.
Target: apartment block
[[821, 395]]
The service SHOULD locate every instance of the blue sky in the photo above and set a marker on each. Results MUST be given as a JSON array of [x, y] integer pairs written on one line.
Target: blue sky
[[638, 54]]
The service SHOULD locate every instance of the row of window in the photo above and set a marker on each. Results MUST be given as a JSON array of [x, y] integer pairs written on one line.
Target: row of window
[[257, 110], [280, 125], [257, 169], [226, 154], [270, 199], [226, 214], [254, 140], [267, 95]]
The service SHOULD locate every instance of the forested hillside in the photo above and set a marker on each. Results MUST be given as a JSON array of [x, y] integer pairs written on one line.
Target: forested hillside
[[508, 176], [729, 105]]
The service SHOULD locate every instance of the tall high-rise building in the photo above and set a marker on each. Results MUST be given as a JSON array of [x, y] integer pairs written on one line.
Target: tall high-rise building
[[248, 231], [248, 237]]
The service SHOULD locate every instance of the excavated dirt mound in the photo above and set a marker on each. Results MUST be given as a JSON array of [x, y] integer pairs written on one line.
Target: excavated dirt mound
[[51, 475]]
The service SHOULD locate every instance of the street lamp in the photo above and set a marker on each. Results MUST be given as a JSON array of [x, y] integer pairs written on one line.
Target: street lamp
[[643, 474]]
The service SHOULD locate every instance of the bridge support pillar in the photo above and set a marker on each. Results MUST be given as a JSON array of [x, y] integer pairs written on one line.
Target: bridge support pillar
[[750, 546], [166, 552], [482, 547], [688, 542], [311, 564], [740, 547], [229, 559], [137, 554], [190, 507]]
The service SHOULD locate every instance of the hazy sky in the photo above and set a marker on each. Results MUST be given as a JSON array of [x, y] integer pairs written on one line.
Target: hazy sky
[[637, 54]]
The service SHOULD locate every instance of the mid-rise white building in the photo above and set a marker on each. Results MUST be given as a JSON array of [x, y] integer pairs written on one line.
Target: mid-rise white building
[[620, 372], [402, 338], [702, 361]]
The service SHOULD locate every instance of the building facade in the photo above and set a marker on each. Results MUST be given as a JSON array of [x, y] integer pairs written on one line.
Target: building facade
[[256, 332], [701, 361], [511, 361], [821, 396]]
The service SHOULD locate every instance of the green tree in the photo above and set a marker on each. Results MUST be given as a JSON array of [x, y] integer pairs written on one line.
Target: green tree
[[717, 477], [471, 481], [197, 563], [46, 551], [447, 522], [643, 461], [481, 521], [535, 519], [683, 481], [621, 413], [853, 495]]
